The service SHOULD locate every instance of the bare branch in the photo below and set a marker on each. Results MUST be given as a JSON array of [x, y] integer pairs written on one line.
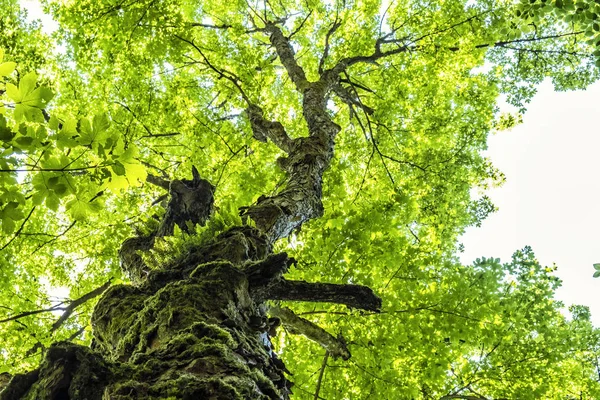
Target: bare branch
[[77, 302], [222, 26], [526, 40], [263, 129], [354, 296], [54, 238], [34, 312], [222, 73], [299, 326], [351, 100], [321, 373], [286, 56], [301, 24], [336, 24], [231, 157]]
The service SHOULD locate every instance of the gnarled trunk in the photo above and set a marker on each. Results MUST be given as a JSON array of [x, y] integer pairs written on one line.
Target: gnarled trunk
[[199, 328]]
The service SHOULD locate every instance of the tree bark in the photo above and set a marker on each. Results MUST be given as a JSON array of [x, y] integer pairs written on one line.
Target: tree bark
[[198, 328]]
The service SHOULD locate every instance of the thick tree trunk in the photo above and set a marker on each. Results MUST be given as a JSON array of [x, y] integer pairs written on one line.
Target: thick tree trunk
[[199, 328]]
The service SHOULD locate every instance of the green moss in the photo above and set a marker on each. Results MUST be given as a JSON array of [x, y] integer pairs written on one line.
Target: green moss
[[190, 387], [213, 331], [114, 316], [129, 390], [68, 371]]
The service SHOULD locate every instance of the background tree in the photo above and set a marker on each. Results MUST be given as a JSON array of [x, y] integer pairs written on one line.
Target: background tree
[[371, 116]]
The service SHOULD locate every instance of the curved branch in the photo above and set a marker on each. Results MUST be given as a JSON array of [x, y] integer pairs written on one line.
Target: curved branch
[[299, 326], [77, 302], [263, 128], [286, 56]]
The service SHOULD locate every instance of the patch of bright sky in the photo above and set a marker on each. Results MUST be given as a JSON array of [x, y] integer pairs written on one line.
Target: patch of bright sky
[[550, 200], [36, 12]]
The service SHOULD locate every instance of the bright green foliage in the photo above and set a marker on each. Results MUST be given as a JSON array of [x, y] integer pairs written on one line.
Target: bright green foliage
[[581, 16], [142, 88], [463, 331]]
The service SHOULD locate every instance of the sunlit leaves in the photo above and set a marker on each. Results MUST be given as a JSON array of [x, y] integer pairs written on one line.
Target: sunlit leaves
[[6, 68], [135, 98], [29, 101], [80, 209]]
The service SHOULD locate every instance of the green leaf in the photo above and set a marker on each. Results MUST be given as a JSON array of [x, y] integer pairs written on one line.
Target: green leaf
[[78, 209], [53, 123], [596, 274], [6, 134], [7, 68], [32, 114], [27, 84], [101, 123], [597, 266], [136, 173], [13, 211], [61, 189], [13, 92], [24, 141], [52, 202], [8, 226], [38, 98], [118, 168], [52, 182]]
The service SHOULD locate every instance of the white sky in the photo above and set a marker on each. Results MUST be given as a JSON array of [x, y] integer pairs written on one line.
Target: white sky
[[551, 198], [35, 12]]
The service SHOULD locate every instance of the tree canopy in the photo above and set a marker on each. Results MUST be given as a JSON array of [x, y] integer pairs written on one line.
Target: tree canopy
[[101, 118]]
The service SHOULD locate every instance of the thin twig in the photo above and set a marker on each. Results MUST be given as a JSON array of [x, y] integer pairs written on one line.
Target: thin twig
[[321, 373], [19, 230]]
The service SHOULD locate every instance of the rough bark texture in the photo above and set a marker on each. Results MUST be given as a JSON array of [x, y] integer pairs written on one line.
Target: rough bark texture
[[199, 328]]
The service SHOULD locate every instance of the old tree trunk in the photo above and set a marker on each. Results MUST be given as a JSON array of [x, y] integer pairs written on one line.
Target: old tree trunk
[[200, 327]]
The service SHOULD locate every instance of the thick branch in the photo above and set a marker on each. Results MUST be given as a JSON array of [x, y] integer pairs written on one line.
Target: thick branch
[[355, 296], [299, 326], [158, 181], [307, 160], [286, 56], [308, 157], [402, 46], [262, 129]]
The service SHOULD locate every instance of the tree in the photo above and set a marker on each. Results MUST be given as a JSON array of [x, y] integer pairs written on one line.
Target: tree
[[335, 143]]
